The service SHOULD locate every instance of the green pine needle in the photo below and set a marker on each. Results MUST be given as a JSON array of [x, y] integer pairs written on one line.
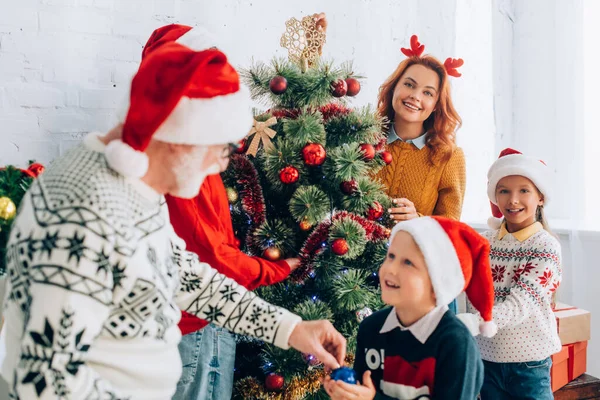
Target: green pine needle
[[313, 310], [310, 203], [351, 291], [346, 162], [369, 191], [307, 128], [275, 234], [353, 233]]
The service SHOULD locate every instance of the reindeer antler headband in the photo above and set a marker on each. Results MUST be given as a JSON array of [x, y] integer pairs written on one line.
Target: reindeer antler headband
[[416, 49]]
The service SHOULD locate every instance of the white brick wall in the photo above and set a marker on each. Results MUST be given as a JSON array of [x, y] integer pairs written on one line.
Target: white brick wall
[[65, 64]]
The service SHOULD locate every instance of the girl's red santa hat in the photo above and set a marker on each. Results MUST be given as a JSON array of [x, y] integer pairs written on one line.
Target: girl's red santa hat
[[180, 95], [457, 259], [512, 162]]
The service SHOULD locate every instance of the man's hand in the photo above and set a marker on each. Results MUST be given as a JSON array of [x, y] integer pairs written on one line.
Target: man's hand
[[320, 339], [339, 390], [294, 263]]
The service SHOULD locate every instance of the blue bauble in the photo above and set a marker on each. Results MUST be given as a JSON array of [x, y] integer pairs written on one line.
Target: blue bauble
[[344, 374]]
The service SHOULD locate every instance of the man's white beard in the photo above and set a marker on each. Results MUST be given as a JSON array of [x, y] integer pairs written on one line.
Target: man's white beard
[[190, 181]]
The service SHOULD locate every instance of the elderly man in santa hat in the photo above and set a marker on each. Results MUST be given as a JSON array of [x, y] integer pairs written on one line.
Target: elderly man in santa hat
[[98, 277]]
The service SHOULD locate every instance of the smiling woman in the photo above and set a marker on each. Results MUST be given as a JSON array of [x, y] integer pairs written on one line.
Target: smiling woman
[[427, 174]]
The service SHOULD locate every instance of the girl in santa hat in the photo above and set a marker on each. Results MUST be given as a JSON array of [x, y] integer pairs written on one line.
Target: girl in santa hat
[[525, 260]]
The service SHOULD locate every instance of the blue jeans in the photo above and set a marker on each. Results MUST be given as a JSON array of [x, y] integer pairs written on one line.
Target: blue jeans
[[524, 381], [208, 358]]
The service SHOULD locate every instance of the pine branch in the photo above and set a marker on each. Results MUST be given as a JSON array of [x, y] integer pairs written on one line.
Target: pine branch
[[351, 292], [307, 128], [345, 163], [309, 203], [353, 233]]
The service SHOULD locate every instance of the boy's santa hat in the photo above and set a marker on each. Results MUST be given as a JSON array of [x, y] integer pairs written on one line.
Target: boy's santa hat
[[457, 259], [180, 95], [512, 162]]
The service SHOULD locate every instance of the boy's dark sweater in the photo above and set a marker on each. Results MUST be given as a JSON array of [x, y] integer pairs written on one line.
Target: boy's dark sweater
[[447, 366]]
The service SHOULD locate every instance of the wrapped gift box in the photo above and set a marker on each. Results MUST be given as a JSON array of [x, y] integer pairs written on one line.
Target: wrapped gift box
[[573, 324], [568, 364]]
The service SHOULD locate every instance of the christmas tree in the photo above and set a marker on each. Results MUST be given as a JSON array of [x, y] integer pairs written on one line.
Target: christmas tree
[[14, 182], [302, 186]]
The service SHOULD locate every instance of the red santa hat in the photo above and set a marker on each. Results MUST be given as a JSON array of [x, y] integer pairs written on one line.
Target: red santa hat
[[180, 95], [512, 162], [457, 259]]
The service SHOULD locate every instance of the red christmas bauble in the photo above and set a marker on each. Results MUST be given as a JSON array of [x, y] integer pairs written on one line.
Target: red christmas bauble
[[305, 225], [313, 154], [368, 151], [278, 85], [243, 146], [375, 211], [274, 382], [36, 168], [272, 254], [381, 145], [339, 247], [386, 156], [289, 175], [353, 87], [339, 88], [349, 187]]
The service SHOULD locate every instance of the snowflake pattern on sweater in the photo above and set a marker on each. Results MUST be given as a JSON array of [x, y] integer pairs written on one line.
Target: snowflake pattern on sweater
[[525, 275], [97, 279]]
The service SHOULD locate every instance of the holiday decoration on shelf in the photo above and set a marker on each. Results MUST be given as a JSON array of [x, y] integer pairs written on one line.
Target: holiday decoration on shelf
[[306, 190], [353, 87], [8, 210], [339, 88], [375, 211], [344, 374], [363, 313], [232, 195], [272, 254], [313, 154], [278, 85], [339, 247], [368, 151], [387, 157], [14, 182], [289, 175], [274, 382]]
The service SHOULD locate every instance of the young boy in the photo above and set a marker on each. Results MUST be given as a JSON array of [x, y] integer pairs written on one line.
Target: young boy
[[426, 350]]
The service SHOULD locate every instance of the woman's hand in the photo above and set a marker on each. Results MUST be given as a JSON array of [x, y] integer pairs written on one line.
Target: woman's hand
[[403, 211]]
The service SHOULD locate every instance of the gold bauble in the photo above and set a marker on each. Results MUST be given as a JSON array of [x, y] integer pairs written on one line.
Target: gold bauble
[[8, 210], [232, 195]]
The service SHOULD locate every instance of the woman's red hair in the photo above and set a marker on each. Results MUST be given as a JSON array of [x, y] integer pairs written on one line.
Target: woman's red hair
[[442, 123]]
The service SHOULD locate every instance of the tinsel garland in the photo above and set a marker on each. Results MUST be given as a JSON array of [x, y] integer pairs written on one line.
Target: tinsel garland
[[374, 230], [314, 243], [333, 110], [298, 388], [251, 195], [311, 249], [328, 111]]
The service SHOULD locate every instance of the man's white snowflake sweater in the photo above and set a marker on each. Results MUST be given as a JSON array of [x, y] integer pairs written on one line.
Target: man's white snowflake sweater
[[526, 269], [97, 278]]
